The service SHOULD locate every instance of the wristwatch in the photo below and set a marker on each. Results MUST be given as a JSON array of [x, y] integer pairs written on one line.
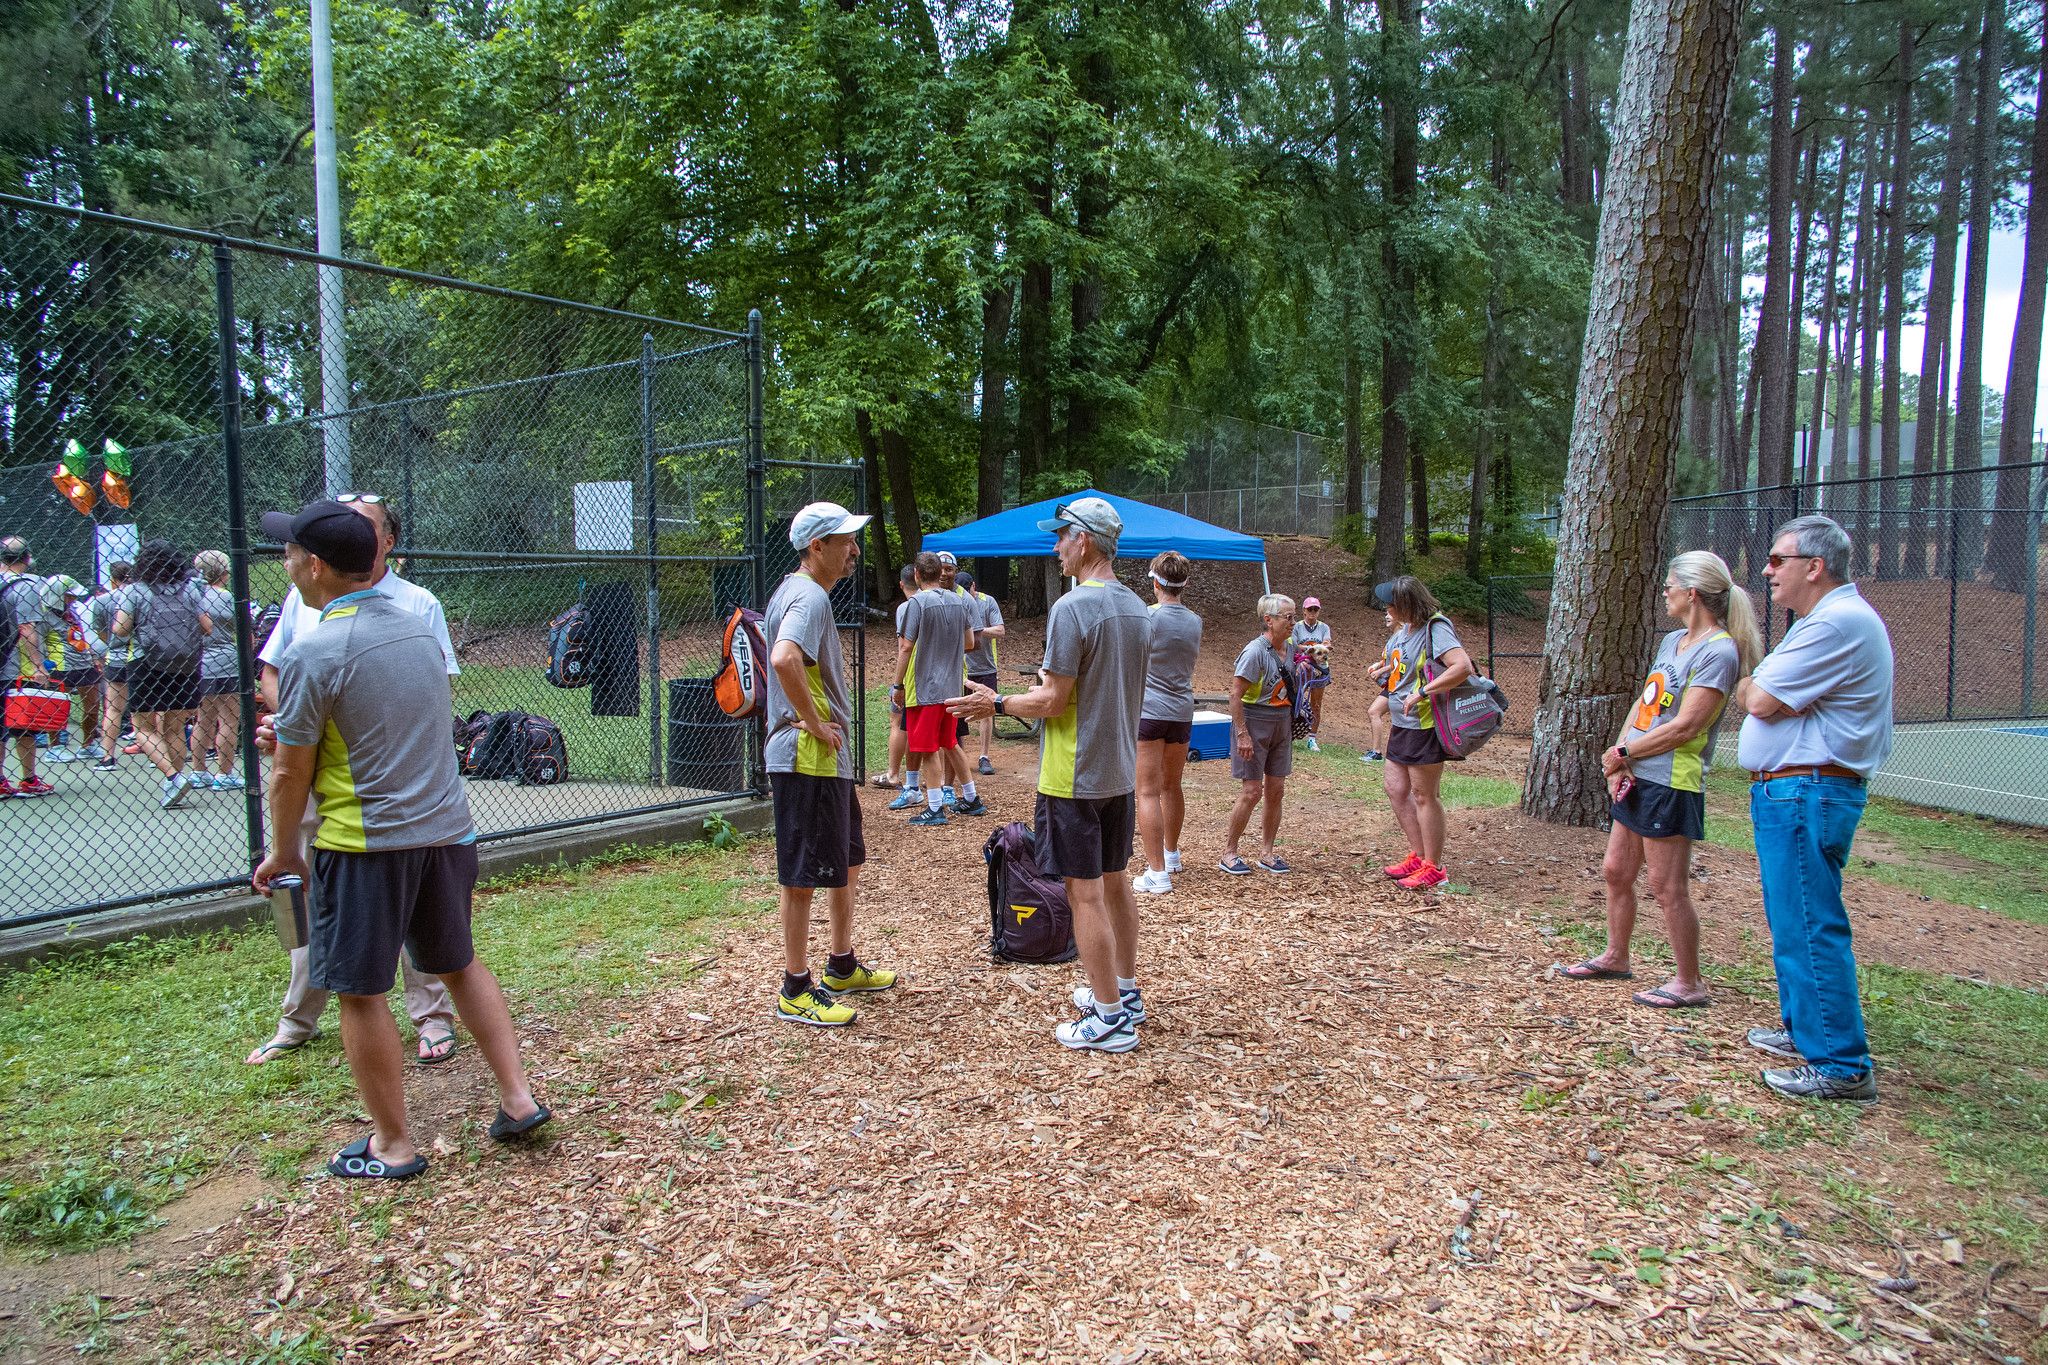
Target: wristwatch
[[1621, 749], [999, 704]]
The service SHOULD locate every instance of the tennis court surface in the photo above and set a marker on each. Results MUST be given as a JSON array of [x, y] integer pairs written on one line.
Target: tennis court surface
[[1994, 768]]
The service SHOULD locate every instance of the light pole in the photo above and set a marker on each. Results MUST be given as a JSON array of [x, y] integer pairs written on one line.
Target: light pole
[[334, 393]]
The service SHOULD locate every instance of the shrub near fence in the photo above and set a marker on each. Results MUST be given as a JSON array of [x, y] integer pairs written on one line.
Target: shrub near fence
[[537, 452]]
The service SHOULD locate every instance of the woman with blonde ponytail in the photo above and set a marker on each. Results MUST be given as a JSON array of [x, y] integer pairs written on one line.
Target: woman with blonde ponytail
[[1656, 772]]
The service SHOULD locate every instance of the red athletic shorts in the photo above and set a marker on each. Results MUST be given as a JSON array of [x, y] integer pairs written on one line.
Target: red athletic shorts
[[931, 729]]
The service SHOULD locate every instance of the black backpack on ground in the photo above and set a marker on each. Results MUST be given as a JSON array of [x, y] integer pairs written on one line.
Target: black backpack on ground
[[1028, 916], [572, 654], [526, 748]]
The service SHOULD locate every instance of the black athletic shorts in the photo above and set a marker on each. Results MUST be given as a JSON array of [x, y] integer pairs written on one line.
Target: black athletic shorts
[[118, 673], [1085, 836], [219, 687], [817, 829], [1656, 811], [1172, 731], [153, 690], [369, 905], [1414, 748], [992, 681]]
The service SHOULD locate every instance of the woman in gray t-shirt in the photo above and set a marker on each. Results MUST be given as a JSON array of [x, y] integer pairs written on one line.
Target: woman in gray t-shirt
[[1261, 734], [1424, 659], [219, 726], [1656, 770], [1165, 722]]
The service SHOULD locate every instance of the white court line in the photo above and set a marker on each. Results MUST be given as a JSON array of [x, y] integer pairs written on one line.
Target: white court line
[[1959, 786]]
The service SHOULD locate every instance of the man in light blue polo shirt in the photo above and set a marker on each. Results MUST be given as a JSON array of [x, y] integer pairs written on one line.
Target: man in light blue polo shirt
[[1819, 724]]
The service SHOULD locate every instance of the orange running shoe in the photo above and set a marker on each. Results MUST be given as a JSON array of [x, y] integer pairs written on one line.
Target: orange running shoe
[[1428, 875], [1407, 867]]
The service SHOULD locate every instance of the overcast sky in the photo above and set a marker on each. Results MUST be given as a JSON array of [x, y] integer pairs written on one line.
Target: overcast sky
[[2001, 304]]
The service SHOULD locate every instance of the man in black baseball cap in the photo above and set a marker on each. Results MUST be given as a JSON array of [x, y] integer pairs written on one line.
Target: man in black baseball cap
[[331, 531]]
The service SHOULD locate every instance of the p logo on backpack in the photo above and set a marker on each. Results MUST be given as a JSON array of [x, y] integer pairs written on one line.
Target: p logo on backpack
[[741, 687]]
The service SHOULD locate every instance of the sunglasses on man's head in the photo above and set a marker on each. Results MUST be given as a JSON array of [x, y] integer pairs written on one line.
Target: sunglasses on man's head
[[371, 498]]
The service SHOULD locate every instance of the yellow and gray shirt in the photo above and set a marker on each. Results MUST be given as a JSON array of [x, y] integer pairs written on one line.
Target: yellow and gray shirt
[[367, 685], [1713, 662], [1100, 635], [800, 611], [1410, 648], [936, 623]]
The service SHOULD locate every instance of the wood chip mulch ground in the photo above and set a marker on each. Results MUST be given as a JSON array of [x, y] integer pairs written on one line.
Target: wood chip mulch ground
[[1363, 1124]]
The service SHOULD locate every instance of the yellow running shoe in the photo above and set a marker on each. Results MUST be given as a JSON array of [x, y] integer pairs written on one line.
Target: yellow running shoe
[[861, 978], [816, 1007]]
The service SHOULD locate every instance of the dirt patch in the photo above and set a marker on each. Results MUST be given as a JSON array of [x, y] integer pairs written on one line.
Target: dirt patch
[[1360, 1119]]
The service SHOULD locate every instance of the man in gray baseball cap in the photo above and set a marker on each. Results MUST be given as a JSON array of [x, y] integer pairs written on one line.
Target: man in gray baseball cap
[[1094, 515]]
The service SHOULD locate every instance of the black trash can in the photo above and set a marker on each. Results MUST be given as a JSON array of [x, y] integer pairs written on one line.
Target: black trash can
[[707, 749]]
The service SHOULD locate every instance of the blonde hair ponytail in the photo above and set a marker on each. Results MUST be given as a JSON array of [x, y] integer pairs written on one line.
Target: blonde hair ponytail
[[1706, 573]]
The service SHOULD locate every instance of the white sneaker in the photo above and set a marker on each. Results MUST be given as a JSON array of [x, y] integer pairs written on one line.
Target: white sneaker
[[1314, 747], [1092, 1033], [174, 792], [1133, 1001], [1172, 861], [1152, 883]]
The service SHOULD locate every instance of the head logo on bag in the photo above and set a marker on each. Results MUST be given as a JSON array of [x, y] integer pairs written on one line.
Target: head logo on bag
[[740, 686]]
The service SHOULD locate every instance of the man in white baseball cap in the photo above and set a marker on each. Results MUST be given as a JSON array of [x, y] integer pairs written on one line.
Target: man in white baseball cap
[[810, 770]]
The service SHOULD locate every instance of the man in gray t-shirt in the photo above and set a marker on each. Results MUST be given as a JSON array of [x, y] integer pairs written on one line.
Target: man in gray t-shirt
[[363, 720], [818, 841], [981, 660], [931, 665], [1097, 639]]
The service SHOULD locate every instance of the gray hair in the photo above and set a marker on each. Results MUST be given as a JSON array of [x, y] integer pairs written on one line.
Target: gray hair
[[1823, 539], [1273, 603]]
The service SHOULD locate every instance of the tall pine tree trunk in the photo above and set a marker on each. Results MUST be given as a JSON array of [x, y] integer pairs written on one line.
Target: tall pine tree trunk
[[2023, 374], [1343, 253], [1941, 302], [996, 306], [1985, 190], [1773, 328], [1670, 113], [1491, 363], [1859, 259], [1795, 340], [1866, 349], [1897, 220], [1034, 410], [882, 561], [1817, 420], [1398, 321]]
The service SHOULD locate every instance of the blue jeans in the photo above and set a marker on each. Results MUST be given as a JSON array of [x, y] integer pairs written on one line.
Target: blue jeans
[[1803, 828]]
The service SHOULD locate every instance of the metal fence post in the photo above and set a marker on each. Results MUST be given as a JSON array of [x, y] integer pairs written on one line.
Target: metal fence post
[[1954, 539], [657, 770], [2037, 506], [238, 540], [757, 523]]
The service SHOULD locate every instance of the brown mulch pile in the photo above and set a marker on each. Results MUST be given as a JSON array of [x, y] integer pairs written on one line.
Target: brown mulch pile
[[1362, 1124]]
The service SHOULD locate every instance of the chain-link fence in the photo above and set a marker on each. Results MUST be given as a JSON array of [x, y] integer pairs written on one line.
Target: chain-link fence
[[1247, 476], [161, 387], [1953, 563]]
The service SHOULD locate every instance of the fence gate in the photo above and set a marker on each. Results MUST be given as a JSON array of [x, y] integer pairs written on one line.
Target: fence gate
[[528, 454]]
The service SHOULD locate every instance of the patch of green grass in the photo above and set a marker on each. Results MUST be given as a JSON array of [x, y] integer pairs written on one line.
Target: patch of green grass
[[1969, 1063], [130, 1059], [1360, 782], [1960, 859]]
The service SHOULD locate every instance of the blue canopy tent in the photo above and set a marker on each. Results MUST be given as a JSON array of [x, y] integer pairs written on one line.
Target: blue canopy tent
[[1147, 531]]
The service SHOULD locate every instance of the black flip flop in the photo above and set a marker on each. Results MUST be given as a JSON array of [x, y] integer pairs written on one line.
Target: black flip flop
[[356, 1162], [1658, 998], [504, 1128], [1586, 971]]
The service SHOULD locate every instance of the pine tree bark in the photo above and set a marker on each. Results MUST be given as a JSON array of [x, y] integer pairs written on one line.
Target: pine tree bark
[[896, 461], [1795, 340], [1398, 311], [1897, 218], [1491, 365], [1352, 401], [1670, 116], [1941, 302], [1985, 190], [2008, 550], [1034, 399], [1096, 85]]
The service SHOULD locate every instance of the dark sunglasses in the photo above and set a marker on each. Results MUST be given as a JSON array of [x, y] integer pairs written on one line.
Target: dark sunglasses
[[371, 498], [1778, 561]]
